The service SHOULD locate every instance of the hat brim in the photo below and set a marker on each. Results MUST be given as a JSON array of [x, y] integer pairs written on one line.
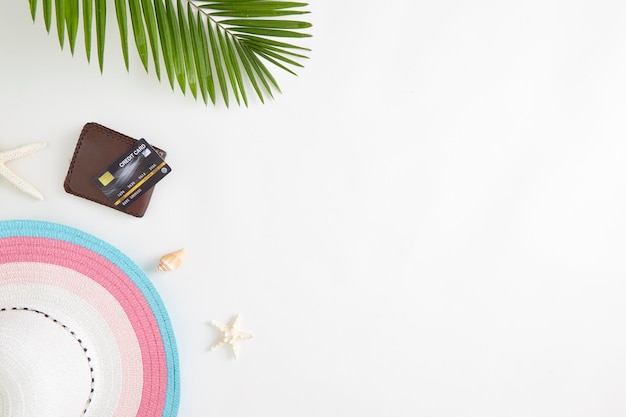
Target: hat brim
[[96, 292]]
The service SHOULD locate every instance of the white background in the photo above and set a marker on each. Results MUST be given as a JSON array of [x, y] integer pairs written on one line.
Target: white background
[[428, 221]]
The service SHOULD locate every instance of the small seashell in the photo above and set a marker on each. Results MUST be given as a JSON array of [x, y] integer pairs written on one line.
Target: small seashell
[[172, 261]]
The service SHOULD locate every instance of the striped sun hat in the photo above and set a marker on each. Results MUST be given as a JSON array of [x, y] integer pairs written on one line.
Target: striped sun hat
[[83, 332]]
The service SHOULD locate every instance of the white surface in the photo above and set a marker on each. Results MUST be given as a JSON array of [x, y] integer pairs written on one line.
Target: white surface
[[428, 221]]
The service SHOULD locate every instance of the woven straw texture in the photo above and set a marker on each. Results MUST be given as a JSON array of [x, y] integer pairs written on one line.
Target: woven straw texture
[[83, 332]]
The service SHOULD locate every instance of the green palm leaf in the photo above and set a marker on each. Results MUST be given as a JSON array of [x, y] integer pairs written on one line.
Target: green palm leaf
[[211, 47]]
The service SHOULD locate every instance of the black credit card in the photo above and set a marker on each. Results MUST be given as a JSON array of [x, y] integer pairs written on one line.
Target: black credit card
[[132, 174]]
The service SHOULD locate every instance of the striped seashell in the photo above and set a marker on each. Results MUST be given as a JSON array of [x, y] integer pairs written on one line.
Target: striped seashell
[[172, 261]]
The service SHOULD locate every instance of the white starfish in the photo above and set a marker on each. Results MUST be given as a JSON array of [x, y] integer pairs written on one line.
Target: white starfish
[[19, 152], [231, 335]]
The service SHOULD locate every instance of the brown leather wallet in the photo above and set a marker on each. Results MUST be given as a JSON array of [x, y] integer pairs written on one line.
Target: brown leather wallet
[[96, 149]]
